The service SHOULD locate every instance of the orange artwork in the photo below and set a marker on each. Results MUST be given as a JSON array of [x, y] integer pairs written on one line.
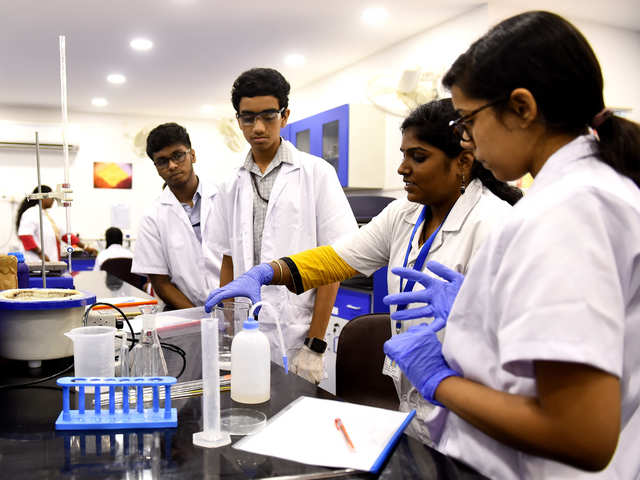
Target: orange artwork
[[112, 175]]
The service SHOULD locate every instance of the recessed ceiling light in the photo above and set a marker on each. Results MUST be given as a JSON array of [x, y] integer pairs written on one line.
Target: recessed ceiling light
[[375, 16], [141, 44], [207, 109], [99, 102], [116, 78], [295, 60]]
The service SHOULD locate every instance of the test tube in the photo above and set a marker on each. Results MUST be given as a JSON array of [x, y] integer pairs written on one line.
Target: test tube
[[211, 436]]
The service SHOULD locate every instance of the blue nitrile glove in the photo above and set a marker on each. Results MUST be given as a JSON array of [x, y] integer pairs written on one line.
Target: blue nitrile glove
[[437, 294], [246, 285], [418, 353]]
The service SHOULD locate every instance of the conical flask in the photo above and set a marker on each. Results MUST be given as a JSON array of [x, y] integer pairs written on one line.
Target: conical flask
[[147, 359]]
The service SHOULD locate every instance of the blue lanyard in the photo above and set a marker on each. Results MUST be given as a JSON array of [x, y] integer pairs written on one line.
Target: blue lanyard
[[422, 256]]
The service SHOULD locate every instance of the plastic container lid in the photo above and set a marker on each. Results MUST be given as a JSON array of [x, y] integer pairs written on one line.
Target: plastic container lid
[[250, 324], [78, 299], [18, 255]]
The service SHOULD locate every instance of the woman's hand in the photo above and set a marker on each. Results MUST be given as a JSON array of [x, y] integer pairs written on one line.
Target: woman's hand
[[418, 353], [438, 295], [246, 285]]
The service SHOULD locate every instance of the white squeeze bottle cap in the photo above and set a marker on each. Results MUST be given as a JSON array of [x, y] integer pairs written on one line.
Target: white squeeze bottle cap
[[254, 324]]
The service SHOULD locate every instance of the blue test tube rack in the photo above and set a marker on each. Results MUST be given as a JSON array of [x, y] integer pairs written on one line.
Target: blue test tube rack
[[128, 416]]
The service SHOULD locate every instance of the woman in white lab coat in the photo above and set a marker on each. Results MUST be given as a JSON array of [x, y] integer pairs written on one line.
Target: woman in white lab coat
[[449, 210], [540, 369], [28, 228]]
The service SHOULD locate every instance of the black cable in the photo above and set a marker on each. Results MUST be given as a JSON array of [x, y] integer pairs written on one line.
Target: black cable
[[86, 314], [255, 184], [172, 348], [35, 382], [176, 349], [169, 346]]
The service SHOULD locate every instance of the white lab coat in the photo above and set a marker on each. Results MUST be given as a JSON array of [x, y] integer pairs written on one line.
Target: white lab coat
[[167, 245], [30, 225], [559, 282], [307, 208], [385, 239], [115, 250]]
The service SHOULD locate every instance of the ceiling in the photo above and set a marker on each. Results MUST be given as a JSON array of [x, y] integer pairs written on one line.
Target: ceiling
[[200, 46]]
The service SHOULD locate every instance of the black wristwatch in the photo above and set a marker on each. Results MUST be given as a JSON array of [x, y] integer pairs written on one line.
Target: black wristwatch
[[315, 344]]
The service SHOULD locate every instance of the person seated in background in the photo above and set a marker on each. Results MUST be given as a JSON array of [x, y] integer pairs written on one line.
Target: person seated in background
[[113, 237], [169, 243], [28, 228]]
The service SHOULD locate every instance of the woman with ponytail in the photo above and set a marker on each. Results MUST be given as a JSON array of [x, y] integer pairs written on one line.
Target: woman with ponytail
[[539, 373]]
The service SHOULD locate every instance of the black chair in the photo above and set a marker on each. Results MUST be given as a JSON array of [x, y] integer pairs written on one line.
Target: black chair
[[365, 207], [359, 361], [121, 268]]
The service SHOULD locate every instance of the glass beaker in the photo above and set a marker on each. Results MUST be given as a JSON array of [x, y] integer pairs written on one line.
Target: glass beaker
[[231, 315]]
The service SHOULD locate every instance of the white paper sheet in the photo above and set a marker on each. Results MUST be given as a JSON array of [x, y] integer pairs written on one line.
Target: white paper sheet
[[305, 432]]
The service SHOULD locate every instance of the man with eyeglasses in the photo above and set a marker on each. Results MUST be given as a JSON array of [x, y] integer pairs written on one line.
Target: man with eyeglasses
[[280, 201], [169, 244]]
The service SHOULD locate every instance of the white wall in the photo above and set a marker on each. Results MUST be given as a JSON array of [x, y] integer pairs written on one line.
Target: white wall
[[109, 138], [100, 138], [433, 50], [617, 49]]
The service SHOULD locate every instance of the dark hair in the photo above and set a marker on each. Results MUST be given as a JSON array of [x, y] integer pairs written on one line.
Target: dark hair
[[547, 55], [27, 204], [258, 82], [431, 124], [164, 136], [113, 235]]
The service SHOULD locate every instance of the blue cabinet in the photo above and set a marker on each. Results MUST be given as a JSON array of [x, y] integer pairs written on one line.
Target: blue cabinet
[[350, 138], [325, 135]]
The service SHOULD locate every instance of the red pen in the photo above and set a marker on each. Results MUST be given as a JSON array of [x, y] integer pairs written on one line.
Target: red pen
[[340, 427]]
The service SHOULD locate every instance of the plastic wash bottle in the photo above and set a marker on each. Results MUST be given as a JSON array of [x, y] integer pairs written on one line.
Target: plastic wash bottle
[[250, 365]]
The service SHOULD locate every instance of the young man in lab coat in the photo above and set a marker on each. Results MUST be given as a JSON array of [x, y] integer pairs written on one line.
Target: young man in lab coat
[[169, 244], [280, 201]]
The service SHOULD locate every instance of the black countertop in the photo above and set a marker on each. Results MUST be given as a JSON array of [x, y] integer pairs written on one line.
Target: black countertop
[[31, 448]]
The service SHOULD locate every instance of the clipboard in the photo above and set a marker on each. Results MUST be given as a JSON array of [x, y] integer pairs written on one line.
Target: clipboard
[[305, 432]]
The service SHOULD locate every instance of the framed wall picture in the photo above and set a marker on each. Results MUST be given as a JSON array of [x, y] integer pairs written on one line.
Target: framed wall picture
[[112, 175]]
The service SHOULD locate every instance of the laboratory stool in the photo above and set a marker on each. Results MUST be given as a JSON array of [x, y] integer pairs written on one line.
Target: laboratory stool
[[359, 361]]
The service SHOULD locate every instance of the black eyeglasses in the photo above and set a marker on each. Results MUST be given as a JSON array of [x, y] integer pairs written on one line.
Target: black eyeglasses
[[267, 116], [176, 157], [461, 125]]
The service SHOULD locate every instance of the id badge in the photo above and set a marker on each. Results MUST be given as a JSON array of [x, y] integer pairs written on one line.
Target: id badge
[[391, 369]]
